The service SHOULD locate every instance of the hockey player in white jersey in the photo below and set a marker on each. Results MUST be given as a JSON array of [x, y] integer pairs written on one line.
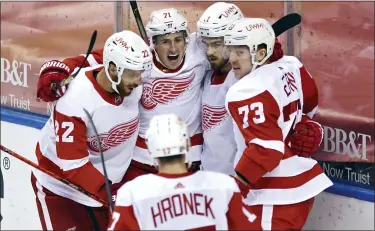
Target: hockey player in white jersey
[[175, 84], [68, 146], [172, 89], [219, 146], [176, 199], [265, 104]]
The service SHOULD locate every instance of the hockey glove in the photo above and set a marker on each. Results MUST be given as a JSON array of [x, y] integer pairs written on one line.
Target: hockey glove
[[307, 137], [52, 73], [195, 166]]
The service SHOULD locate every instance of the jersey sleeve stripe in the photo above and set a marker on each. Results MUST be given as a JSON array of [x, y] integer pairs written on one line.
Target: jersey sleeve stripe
[[67, 165], [271, 144]]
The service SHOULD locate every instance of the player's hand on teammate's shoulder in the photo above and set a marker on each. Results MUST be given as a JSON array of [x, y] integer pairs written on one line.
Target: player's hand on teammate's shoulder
[[52, 73]]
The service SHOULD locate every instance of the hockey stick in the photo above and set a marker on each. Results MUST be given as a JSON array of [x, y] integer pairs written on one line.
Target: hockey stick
[[285, 23], [71, 77], [108, 188], [59, 178], [138, 20]]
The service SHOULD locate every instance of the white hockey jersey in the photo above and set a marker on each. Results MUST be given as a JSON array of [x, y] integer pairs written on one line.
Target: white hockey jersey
[[68, 146], [219, 146], [265, 106], [178, 92], [190, 201]]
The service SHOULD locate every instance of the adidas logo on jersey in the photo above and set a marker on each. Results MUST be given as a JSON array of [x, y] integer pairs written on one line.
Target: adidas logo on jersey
[[179, 185]]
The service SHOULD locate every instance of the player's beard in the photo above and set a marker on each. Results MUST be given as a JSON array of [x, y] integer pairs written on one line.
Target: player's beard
[[122, 90], [219, 64]]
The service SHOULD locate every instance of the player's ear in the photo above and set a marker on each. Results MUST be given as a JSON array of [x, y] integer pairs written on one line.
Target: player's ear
[[261, 53]]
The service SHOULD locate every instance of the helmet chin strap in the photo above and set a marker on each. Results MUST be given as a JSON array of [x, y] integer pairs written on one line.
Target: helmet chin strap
[[253, 62], [114, 87], [226, 59], [113, 83], [226, 64]]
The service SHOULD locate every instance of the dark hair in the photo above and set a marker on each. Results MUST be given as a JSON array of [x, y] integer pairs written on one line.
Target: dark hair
[[262, 46]]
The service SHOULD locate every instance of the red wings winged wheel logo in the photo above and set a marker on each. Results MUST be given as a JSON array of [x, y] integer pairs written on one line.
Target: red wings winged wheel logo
[[115, 136], [212, 116], [164, 90]]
